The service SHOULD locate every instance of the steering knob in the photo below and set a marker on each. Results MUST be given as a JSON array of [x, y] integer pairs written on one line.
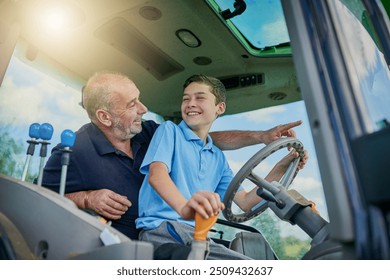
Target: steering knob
[[68, 138], [33, 131], [46, 131]]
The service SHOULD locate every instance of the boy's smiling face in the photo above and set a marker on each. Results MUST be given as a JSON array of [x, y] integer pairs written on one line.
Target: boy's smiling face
[[198, 108]]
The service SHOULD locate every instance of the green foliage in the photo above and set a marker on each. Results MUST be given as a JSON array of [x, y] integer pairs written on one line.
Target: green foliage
[[286, 248], [12, 156], [294, 248], [9, 149], [270, 229]]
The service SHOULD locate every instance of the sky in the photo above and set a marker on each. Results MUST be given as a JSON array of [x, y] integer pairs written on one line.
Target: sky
[[266, 27]]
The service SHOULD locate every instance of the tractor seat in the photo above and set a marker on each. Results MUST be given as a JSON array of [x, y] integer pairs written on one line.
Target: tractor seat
[[253, 245]]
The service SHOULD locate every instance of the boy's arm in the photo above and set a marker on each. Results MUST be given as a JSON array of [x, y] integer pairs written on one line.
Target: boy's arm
[[235, 139], [246, 200], [205, 203]]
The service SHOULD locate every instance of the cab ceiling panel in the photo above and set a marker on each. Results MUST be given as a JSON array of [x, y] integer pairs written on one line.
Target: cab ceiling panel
[[123, 36]]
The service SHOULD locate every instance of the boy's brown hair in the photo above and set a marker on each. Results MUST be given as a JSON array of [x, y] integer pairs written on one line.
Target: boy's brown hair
[[216, 86]]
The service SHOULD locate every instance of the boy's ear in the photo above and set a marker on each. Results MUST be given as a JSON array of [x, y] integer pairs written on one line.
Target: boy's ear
[[221, 108]]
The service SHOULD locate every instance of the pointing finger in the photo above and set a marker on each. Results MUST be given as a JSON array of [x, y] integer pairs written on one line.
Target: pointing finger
[[290, 125]]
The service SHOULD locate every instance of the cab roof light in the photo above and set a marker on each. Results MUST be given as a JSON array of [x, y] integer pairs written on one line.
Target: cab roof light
[[188, 38]]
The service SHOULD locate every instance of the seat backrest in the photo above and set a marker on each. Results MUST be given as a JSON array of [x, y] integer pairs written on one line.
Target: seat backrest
[[253, 245]]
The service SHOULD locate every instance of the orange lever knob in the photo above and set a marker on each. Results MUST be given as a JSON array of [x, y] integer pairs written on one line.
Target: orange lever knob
[[202, 226]]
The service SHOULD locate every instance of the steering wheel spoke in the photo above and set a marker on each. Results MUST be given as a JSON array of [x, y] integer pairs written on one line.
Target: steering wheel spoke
[[254, 179], [246, 172]]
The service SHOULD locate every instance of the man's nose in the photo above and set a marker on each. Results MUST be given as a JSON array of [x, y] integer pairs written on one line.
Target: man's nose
[[142, 109]]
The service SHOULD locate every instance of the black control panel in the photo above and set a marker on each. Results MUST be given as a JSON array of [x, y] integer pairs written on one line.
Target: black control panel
[[232, 82]]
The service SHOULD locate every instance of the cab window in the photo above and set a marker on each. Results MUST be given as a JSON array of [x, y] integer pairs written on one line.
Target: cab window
[[28, 96]]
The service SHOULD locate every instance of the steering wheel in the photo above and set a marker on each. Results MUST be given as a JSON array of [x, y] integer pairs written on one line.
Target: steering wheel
[[246, 172]]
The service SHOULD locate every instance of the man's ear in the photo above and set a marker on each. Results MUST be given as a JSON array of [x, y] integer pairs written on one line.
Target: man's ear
[[104, 117]]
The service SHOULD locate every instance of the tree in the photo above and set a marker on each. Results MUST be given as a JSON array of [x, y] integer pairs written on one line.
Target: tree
[[268, 226], [10, 151], [285, 247]]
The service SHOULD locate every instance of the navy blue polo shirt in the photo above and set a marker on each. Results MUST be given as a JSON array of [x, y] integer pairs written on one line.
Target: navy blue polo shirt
[[96, 164]]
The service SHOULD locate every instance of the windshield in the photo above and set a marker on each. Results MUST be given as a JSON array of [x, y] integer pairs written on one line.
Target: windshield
[[262, 25]]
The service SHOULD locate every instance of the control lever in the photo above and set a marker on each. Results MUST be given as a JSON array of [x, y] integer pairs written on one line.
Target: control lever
[[68, 138], [33, 132], [45, 133], [263, 193], [200, 244]]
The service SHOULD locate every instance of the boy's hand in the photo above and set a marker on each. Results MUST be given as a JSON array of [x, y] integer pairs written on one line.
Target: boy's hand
[[304, 160], [285, 162], [205, 203], [280, 167]]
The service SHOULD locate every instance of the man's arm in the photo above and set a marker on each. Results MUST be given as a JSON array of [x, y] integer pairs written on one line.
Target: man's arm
[[235, 139]]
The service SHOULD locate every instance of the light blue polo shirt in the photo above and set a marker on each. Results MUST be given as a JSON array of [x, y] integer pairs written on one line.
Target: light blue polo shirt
[[192, 165]]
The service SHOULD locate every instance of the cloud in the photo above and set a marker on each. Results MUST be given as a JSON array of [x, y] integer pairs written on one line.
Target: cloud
[[267, 115], [235, 165], [274, 33], [19, 102], [260, 170], [306, 184], [24, 104]]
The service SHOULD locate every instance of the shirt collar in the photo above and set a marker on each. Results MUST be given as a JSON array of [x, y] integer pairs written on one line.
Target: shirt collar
[[103, 146], [189, 135]]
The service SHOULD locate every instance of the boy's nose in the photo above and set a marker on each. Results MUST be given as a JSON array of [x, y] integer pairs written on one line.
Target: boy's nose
[[191, 103]]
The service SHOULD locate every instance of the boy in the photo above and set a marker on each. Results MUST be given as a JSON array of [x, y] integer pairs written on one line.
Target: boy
[[186, 173]]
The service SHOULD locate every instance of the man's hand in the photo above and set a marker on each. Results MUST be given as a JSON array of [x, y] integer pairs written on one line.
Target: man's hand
[[206, 203], [279, 131], [108, 203]]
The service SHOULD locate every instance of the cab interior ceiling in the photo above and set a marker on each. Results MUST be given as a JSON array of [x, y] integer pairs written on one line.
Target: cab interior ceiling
[[139, 39]]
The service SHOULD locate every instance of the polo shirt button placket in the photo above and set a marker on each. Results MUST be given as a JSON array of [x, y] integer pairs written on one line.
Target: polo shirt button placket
[[202, 164]]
